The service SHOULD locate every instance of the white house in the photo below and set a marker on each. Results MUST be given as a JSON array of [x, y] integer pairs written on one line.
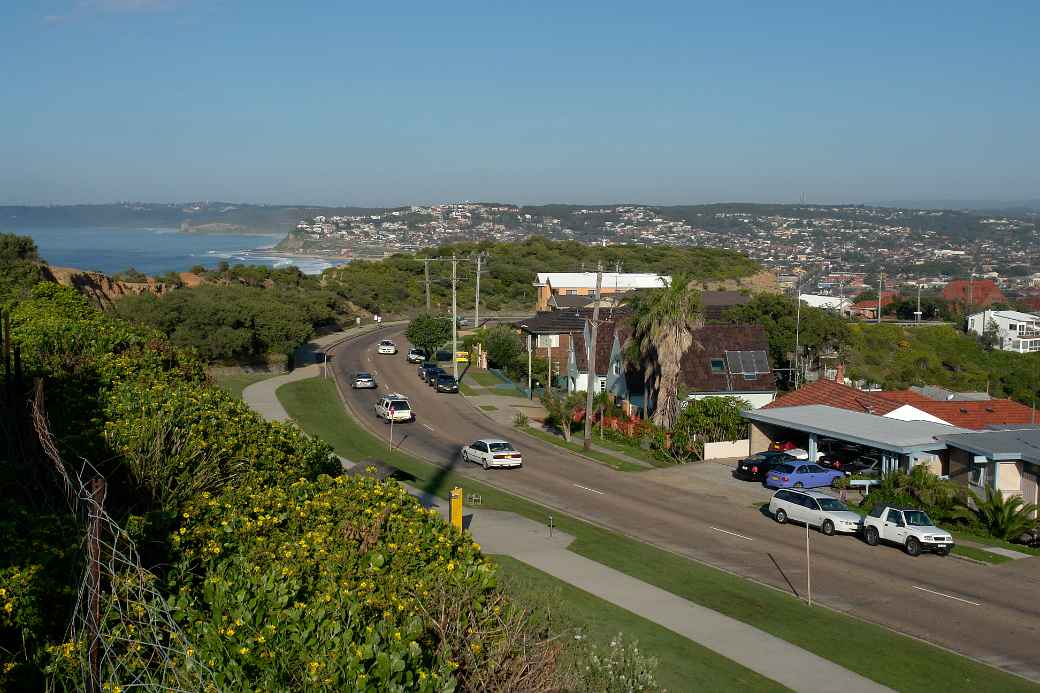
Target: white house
[[551, 284], [835, 303], [1016, 331]]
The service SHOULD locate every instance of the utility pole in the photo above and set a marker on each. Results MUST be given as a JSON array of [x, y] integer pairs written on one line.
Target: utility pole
[[918, 314], [880, 288], [593, 380], [426, 272], [797, 332], [530, 384], [454, 318], [476, 305]]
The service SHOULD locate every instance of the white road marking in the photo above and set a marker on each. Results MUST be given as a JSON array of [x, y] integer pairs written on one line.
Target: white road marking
[[726, 531], [590, 489], [428, 426], [948, 596]]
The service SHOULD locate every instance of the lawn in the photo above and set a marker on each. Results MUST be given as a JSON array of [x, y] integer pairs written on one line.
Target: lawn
[[682, 664], [489, 407], [609, 460], [980, 554], [630, 450], [990, 541], [907, 664], [236, 382], [483, 378]]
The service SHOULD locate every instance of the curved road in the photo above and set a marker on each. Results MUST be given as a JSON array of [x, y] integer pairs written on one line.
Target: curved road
[[987, 612]]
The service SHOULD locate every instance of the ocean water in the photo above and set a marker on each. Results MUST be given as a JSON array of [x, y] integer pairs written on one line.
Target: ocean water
[[156, 251]]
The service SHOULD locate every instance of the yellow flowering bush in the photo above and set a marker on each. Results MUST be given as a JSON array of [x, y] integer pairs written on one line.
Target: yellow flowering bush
[[331, 584]]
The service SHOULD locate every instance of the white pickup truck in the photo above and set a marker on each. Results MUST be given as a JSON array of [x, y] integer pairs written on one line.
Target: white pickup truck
[[909, 528]]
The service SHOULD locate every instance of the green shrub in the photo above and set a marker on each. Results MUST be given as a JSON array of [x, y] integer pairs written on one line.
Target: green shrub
[[342, 584]]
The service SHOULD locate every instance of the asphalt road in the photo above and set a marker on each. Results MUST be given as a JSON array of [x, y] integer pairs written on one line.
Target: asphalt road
[[987, 612]]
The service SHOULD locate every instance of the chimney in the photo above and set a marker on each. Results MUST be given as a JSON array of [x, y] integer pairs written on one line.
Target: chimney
[[839, 374]]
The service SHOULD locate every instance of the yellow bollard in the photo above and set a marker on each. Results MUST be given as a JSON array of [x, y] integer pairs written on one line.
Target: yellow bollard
[[456, 508]]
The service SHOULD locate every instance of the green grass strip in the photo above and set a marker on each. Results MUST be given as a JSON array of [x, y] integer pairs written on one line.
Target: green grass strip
[[900, 662], [980, 554], [607, 459], [236, 382], [683, 665]]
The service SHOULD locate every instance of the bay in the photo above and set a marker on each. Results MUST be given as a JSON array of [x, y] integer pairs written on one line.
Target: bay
[[156, 251]]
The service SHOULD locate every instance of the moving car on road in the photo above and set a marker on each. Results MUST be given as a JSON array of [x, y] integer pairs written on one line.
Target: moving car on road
[[912, 529], [416, 355], [490, 453], [756, 467], [394, 407], [387, 347], [425, 369], [815, 509], [801, 475], [446, 383], [363, 381]]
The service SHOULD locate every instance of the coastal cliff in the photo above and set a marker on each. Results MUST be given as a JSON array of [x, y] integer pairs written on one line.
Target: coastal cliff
[[99, 288]]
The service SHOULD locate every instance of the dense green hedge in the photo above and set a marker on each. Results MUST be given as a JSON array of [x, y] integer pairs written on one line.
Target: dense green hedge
[[282, 575]]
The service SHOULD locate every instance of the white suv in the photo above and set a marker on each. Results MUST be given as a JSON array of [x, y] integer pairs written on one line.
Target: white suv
[[814, 508], [394, 407], [387, 347], [911, 529]]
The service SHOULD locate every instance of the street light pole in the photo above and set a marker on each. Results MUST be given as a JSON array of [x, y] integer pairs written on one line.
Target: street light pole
[[476, 305], [454, 318], [530, 384], [592, 379]]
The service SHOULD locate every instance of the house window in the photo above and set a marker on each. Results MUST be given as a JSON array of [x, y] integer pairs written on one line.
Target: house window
[[978, 474], [548, 340], [617, 368], [1014, 327], [751, 376], [602, 384], [718, 366], [572, 292]]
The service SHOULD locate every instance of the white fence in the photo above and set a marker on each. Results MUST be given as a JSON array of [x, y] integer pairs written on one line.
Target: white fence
[[727, 448]]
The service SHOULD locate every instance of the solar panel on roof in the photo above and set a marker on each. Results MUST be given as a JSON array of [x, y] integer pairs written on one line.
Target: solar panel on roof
[[747, 362], [733, 362], [761, 361]]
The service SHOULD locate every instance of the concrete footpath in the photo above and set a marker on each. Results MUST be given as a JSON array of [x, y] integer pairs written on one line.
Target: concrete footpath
[[528, 541]]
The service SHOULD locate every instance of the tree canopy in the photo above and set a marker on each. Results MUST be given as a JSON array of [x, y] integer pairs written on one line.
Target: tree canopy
[[20, 267], [429, 332]]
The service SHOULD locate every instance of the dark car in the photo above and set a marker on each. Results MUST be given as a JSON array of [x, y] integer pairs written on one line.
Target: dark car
[[432, 375], [425, 368], [864, 465], [446, 383], [754, 468]]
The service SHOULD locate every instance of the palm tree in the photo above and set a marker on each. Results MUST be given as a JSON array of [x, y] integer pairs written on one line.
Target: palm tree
[[663, 324], [1005, 518]]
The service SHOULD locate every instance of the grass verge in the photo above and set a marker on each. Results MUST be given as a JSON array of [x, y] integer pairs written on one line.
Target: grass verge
[[894, 660], [483, 378], [630, 450], [990, 541], [236, 382], [682, 664], [980, 554], [489, 407], [602, 457]]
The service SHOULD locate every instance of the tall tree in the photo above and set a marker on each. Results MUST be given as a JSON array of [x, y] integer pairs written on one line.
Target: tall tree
[[429, 332], [663, 323]]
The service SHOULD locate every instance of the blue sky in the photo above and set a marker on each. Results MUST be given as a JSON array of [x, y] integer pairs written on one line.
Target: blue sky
[[386, 103]]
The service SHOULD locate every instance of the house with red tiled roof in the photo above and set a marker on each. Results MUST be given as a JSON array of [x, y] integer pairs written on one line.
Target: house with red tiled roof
[[868, 309], [909, 405], [973, 293]]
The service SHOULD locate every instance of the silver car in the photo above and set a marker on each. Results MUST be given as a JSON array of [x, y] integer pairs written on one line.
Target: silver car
[[814, 508], [364, 381]]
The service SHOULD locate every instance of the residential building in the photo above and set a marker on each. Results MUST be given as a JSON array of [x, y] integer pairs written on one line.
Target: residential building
[[584, 283], [1007, 462], [836, 303], [973, 293], [1016, 331], [729, 360], [716, 303]]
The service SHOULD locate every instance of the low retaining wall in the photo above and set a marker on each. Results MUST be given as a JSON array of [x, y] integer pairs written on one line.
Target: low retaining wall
[[727, 448]]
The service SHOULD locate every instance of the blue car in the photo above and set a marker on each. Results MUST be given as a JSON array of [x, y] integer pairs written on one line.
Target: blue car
[[801, 475]]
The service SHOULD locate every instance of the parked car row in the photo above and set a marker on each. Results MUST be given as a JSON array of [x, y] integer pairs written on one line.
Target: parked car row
[[909, 528]]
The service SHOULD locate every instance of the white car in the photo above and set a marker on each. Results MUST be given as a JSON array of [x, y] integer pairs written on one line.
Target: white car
[[394, 407], [387, 347], [814, 508], [909, 528], [363, 381], [490, 453], [802, 454]]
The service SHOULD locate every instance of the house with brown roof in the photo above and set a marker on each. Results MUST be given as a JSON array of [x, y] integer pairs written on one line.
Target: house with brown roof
[[973, 293], [729, 360]]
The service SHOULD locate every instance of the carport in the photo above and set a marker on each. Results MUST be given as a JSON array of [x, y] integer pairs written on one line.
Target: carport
[[901, 443]]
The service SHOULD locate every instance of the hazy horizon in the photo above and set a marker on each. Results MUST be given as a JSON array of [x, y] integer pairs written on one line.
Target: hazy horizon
[[660, 103]]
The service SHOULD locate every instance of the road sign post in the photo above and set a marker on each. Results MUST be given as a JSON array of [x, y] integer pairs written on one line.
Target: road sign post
[[456, 508]]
